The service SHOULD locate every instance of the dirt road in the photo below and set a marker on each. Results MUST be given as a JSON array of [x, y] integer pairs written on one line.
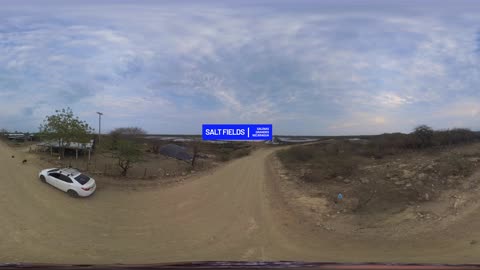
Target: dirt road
[[234, 213]]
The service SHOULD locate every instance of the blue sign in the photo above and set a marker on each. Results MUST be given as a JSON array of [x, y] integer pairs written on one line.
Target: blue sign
[[261, 132]]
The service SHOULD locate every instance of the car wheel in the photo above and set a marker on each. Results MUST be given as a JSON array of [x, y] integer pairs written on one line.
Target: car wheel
[[72, 193], [42, 178]]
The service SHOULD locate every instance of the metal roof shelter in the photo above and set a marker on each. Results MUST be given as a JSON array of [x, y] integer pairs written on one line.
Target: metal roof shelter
[[175, 151], [78, 147], [72, 145], [19, 136]]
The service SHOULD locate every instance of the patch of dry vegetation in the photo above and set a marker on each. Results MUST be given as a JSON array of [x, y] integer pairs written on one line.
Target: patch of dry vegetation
[[229, 151], [388, 172]]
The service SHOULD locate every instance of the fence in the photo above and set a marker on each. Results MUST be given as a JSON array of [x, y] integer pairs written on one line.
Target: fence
[[97, 166]]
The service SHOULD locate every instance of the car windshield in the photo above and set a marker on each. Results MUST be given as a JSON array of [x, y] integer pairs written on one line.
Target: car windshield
[[82, 179]]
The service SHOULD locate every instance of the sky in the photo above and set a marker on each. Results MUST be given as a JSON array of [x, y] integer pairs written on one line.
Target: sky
[[307, 67]]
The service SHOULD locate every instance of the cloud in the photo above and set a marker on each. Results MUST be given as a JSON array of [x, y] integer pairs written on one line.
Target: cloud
[[392, 100], [309, 70], [462, 109], [353, 123]]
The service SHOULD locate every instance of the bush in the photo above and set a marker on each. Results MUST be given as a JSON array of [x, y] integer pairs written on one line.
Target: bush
[[333, 166], [453, 136], [371, 150], [333, 148], [342, 157], [241, 153], [424, 135], [296, 154], [327, 161], [232, 151], [454, 165], [223, 157]]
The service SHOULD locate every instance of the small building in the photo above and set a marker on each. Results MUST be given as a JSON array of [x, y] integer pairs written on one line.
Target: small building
[[19, 137], [54, 146]]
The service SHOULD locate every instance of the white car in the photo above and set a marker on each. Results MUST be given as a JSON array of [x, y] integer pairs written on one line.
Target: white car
[[69, 180]]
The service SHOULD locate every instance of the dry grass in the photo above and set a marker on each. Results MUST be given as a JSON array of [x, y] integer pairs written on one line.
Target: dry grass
[[323, 162], [381, 181], [343, 158], [230, 151]]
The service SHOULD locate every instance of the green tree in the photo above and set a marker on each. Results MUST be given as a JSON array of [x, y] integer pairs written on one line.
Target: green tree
[[128, 131], [424, 135], [124, 133], [127, 153], [64, 127]]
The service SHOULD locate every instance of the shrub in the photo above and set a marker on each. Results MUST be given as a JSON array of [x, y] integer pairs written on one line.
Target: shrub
[[232, 151], [297, 154], [327, 161], [241, 153], [223, 157], [424, 135], [454, 164], [453, 136], [342, 157]]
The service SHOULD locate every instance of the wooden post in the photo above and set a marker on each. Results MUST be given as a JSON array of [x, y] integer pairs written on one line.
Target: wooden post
[[145, 173]]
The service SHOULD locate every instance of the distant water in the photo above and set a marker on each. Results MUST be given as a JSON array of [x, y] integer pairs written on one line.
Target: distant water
[[299, 140]]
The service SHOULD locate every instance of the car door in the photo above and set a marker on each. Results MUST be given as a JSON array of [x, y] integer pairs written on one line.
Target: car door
[[59, 181], [54, 180], [65, 182]]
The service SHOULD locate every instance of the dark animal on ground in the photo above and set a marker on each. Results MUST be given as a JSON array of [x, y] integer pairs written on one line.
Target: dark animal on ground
[[24, 161], [13, 156]]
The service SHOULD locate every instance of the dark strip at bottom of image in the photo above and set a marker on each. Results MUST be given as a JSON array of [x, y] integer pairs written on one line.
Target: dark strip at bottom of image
[[243, 265]]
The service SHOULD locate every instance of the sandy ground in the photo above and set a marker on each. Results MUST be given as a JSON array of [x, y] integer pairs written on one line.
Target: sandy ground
[[236, 212]]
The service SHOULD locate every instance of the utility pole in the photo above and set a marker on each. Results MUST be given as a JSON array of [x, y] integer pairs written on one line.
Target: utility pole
[[99, 125]]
